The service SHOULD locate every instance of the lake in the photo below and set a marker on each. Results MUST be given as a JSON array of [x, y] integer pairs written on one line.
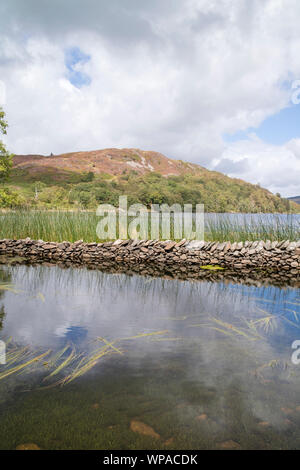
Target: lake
[[116, 361]]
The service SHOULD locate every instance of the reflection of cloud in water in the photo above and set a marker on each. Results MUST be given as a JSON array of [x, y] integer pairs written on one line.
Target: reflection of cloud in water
[[74, 334], [81, 305], [119, 305]]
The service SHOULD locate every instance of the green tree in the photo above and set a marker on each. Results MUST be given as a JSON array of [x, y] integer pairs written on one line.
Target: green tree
[[84, 198], [87, 177], [5, 156]]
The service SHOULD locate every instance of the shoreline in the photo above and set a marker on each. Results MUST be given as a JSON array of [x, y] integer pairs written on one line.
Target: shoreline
[[278, 261]]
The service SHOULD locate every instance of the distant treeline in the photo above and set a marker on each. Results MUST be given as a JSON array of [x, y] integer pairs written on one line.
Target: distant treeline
[[217, 192], [295, 199]]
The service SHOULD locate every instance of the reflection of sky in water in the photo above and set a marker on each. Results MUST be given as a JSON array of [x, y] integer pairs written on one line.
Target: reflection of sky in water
[[78, 305], [208, 324], [279, 303], [255, 220], [75, 334]]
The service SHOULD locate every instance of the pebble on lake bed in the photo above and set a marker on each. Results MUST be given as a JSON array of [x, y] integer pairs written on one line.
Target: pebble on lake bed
[[144, 429], [169, 442], [29, 446], [264, 424], [229, 445], [202, 417]]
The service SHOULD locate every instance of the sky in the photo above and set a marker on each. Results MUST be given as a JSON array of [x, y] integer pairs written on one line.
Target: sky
[[214, 82]]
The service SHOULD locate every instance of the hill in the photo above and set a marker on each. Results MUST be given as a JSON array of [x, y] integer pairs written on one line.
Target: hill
[[111, 161], [295, 199], [85, 179]]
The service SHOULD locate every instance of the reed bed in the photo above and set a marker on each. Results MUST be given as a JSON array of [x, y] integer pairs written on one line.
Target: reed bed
[[243, 227], [72, 226]]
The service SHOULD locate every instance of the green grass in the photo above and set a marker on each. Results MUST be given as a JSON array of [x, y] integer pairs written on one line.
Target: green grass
[[81, 225]]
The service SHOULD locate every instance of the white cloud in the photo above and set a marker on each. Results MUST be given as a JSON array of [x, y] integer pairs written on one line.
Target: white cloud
[[167, 76], [274, 167]]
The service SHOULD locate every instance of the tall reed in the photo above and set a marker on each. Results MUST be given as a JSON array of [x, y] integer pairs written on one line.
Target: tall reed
[[81, 225]]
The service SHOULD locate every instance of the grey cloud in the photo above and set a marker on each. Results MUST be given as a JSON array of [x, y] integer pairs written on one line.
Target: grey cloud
[[116, 20], [234, 168], [206, 20], [167, 75]]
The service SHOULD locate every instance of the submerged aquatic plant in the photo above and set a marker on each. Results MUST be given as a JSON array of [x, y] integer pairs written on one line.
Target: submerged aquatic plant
[[211, 267], [68, 361], [63, 366], [65, 361], [23, 365], [9, 287]]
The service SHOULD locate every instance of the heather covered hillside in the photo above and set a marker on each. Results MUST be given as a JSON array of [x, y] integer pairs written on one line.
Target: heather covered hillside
[[85, 179]]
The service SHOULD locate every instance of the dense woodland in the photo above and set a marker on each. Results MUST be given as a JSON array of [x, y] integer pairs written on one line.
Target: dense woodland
[[86, 190]]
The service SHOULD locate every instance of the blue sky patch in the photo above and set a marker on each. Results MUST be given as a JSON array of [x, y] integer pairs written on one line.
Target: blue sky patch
[[277, 129], [75, 56]]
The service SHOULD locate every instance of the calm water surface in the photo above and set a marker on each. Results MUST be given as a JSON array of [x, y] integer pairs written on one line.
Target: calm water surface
[[192, 365], [253, 220]]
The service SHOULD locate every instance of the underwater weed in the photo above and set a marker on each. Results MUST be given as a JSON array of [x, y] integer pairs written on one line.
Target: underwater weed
[[22, 366]]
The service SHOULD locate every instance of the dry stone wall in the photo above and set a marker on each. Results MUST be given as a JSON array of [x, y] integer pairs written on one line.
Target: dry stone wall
[[248, 262], [283, 255]]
